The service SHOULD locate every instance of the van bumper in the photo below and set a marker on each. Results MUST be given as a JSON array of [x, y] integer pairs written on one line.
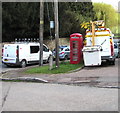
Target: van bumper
[[110, 58], [10, 63]]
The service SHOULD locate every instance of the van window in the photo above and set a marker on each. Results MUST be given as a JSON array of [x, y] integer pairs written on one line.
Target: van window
[[115, 46], [34, 49], [45, 49]]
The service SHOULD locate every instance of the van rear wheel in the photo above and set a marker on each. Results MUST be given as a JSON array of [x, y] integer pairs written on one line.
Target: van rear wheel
[[111, 62], [23, 63]]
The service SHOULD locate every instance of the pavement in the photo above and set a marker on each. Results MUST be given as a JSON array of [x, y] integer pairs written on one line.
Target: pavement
[[90, 76]]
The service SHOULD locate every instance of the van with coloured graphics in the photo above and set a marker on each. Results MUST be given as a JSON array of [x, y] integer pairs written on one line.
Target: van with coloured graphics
[[99, 46]]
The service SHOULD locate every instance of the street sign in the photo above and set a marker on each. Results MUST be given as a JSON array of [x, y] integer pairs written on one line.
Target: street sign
[[51, 24]]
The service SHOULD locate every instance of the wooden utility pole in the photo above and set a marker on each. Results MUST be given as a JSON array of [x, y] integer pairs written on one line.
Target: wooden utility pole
[[41, 32], [56, 32], [93, 33]]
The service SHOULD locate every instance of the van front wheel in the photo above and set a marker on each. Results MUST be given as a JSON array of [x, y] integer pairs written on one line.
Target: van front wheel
[[23, 64]]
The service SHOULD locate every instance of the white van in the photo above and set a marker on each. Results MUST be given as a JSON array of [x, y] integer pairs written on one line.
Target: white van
[[102, 50], [23, 53]]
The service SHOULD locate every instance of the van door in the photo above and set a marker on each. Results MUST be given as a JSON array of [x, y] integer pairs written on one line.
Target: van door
[[10, 53], [34, 54], [104, 42], [107, 47], [46, 53]]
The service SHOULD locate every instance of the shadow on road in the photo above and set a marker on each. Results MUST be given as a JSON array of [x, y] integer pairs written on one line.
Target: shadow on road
[[103, 65]]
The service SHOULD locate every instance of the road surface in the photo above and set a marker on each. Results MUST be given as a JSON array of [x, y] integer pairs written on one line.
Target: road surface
[[53, 97], [4, 68]]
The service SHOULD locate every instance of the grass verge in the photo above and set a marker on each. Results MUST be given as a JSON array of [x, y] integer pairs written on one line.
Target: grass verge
[[64, 67]]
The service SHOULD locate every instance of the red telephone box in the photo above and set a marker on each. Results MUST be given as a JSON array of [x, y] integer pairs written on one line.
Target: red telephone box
[[76, 45]]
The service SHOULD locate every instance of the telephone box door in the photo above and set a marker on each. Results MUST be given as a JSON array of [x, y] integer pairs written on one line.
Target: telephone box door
[[76, 44]]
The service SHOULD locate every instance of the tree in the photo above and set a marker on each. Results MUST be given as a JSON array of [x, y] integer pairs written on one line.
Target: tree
[[73, 15], [107, 13], [21, 19]]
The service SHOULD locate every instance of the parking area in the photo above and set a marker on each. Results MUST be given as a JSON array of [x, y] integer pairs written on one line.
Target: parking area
[[100, 76]]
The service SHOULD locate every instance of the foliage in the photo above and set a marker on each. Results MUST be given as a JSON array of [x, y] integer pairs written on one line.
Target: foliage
[[107, 13], [21, 19], [86, 25], [75, 14]]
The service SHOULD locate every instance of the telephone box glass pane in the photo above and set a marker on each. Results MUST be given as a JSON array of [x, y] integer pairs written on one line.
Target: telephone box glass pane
[[75, 50]]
